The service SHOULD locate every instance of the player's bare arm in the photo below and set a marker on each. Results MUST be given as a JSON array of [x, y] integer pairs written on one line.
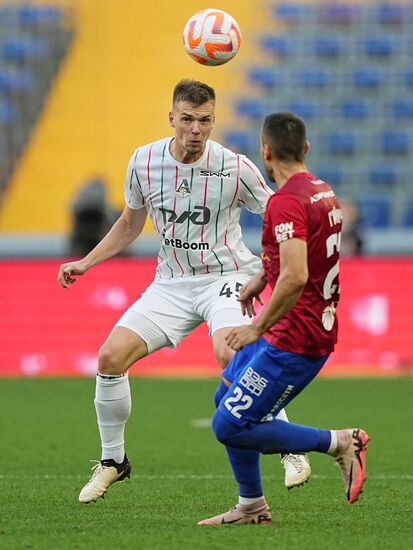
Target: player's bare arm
[[290, 283], [252, 291], [124, 231]]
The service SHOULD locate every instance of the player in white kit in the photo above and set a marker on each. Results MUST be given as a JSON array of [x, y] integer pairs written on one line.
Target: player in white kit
[[193, 190]]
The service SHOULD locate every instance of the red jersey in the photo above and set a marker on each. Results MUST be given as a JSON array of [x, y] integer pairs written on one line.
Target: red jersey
[[306, 208]]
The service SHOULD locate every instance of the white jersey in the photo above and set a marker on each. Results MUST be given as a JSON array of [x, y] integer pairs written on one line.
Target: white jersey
[[195, 208]]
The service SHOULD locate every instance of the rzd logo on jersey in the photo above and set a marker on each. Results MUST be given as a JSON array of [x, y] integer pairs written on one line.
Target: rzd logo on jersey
[[200, 217]]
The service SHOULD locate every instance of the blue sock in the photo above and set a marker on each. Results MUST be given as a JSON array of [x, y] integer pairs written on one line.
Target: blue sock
[[245, 463], [246, 467], [272, 437]]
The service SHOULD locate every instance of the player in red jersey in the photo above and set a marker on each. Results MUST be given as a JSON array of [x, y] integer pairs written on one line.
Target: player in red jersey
[[289, 342]]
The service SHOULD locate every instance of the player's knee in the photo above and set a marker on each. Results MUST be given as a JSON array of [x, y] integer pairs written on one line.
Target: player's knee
[[108, 361], [224, 430], [224, 354], [222, 351]]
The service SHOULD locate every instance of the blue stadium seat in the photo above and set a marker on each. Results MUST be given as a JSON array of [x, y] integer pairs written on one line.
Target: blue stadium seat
[[242, 141], [305, 108], [16, 81], [266, 77], [293, 13], [408, 78], [368, 78], [391, 13], [331, 173], [6, 81], [402, 108], [24, 49], [282, 46], [39, 15], [385, 174], [379, 46], [314, 77], [408, 215], [395, 142], [255, 108], [8, 113], [354, 108], [338, 13], [330, 46], [342, 142], [375, 211]]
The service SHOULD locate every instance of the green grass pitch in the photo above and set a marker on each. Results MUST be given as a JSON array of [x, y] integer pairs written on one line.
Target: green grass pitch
[[180, 473]]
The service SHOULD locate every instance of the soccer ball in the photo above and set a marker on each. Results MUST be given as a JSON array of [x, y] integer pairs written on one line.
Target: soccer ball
[[212, 37]]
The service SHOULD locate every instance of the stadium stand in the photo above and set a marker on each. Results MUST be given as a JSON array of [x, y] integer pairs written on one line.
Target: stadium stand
[[71, 112], [342, 142], [408, 215], [395, 142], [33, 43], [383, 175], [345, 68], [375, 211], [354, 108], [111, 93], [269, 77]]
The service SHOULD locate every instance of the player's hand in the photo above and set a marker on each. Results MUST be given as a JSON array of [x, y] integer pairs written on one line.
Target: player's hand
[[67, 272], [251, 291], [242, 336]]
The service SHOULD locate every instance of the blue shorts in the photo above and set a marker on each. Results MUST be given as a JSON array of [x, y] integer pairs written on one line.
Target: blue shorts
[[264, 379]]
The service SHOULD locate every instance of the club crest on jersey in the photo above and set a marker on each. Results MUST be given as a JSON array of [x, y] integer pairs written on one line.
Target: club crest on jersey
[[184, 189]]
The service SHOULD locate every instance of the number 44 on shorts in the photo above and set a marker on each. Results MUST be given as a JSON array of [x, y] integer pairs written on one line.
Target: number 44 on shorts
[[226, 290]]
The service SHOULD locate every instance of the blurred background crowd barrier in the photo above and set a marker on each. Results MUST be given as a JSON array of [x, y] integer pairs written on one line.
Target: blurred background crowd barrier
[[84, 82], [47, 331]]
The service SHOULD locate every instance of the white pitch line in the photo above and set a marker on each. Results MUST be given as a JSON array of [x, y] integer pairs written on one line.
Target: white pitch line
[[383, 477], [201, 422]]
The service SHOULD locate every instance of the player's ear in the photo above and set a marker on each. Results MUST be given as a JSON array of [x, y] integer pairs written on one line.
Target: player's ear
[[266, 151], [307, 147], [171, 119]]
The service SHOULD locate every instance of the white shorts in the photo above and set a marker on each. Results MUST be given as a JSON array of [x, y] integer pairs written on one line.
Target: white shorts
[[170, 309]]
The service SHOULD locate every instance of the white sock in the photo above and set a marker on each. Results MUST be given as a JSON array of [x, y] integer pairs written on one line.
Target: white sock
[[282, 415], [113, 407], [333, 444], [245, 501]]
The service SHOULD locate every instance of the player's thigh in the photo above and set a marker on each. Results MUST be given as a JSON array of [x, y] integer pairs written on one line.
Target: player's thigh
[[122, 348], [266, 380], [223, 312], [163, 315], [220, 294], [223, 352], [236, 362]]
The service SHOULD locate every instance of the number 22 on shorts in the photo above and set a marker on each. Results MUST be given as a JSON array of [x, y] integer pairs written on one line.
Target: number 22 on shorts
[[243, 402]]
